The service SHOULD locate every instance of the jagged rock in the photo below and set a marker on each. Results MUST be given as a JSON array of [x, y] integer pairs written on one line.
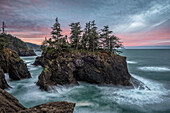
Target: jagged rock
[[13, 65], [39, 61], [57, 73], [138, 84], [68, 68], [8, 103], [3, 83], [26, 53], [53, 107]]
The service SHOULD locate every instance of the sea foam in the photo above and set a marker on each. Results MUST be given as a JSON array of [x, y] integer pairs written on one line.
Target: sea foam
[[154, 68], [131, 62], [135, 96]]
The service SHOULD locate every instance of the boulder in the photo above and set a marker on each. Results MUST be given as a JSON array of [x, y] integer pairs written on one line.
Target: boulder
[[53, 107], [3, 83], [12, 64]]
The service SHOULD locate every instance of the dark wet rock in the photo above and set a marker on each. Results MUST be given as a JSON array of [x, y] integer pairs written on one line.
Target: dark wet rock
[[8, 103], [3, 83], [39, 61], [138, 84], [68, 68], [27, 52], [53, 107], [12, 64]]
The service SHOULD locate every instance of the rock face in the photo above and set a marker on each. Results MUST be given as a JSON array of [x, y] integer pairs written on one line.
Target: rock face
[[68, 68], [13, 65], [3, 83], [9, 104], [53, 107], [26, 53]]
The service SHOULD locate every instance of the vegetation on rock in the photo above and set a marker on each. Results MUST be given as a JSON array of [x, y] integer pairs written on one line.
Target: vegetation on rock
[[89, 39], [9, 41]]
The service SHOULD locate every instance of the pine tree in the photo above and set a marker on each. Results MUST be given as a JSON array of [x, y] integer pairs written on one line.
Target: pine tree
[[105, 37], [86, 36], [75, 34], [94, 39], [56, 34], [115, 44]]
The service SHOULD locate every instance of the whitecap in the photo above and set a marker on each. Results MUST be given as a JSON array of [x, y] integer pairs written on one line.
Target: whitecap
[[84, 104], [154, 68], [131, 62]]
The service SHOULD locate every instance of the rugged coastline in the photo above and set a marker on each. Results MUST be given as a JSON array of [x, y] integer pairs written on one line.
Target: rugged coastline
[[17, 69]]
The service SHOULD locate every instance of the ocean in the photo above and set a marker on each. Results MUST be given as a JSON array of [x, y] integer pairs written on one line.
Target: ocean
[[152, 67]]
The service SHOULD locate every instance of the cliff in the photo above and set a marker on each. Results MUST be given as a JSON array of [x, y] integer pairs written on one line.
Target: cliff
[[17, 45], [70, 67], [11, 63]]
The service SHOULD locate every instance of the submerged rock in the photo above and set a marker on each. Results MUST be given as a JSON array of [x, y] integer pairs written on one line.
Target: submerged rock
[[13, 65], [70, 67], [26, 52], [9, 104], [3, 83]]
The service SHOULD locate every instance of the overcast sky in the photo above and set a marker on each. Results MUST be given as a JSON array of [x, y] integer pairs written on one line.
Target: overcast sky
[[136, 22]]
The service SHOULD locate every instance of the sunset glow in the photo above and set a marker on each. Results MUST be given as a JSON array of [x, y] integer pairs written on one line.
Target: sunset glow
[[137, 23]]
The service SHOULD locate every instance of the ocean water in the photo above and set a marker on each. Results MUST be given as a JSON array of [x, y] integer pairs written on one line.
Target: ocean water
[[152, 67]]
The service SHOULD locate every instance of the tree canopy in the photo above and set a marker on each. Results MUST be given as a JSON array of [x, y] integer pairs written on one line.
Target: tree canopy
[[90, 39]]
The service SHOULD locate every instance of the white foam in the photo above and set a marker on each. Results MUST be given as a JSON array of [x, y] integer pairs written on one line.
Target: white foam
[[131, 62], [154, 68], [138, 97], [84, 104]]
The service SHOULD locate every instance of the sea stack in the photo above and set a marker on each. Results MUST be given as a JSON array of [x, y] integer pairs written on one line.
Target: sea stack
[[70, 67]]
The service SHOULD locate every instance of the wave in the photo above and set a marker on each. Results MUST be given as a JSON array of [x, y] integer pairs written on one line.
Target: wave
[[154, 68], [125, 96], [131, 62]]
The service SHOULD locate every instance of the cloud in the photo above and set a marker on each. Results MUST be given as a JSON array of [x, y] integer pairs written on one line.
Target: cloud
[[33, 18]]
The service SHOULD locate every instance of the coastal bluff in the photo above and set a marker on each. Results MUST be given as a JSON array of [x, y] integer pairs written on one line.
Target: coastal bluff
[[66, 68]]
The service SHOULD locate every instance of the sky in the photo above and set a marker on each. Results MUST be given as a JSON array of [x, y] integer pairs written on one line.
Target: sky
[[135, 22]]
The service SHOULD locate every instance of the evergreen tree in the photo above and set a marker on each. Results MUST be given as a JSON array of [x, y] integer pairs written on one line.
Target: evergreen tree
[[86, 36], [44, 45], [56, 34], [115, 44], [75, 34], [105, 37], [94, 37]]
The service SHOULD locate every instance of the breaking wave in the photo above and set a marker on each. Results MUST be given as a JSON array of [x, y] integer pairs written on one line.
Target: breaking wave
[[154, 68]]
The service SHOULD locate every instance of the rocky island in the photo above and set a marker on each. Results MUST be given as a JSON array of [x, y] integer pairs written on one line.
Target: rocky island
[[93, 58], [70, 67]]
